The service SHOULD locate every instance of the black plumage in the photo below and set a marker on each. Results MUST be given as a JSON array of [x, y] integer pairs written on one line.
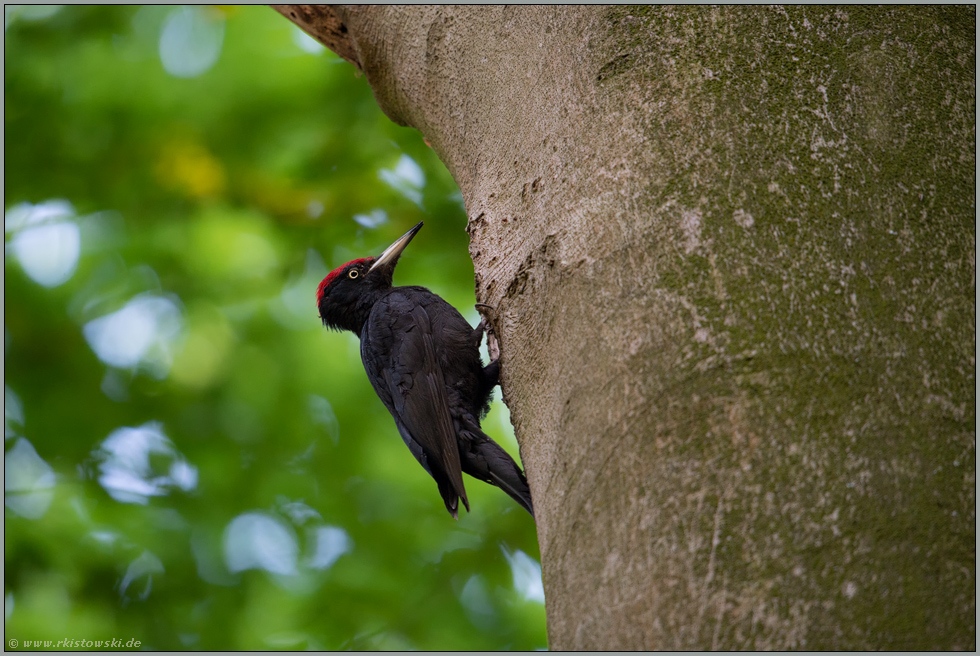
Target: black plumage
[[423, 360]]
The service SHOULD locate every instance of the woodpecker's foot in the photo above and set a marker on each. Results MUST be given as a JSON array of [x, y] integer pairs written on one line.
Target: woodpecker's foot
[[493, 347], [484, 325]]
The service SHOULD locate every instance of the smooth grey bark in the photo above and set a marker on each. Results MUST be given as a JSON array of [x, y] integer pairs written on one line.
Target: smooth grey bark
[[732, 253]]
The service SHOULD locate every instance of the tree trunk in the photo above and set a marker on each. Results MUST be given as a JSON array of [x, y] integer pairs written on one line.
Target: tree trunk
[[732, 256]]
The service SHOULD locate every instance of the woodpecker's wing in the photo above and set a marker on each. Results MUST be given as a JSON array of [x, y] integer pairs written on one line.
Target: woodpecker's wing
[[399, 356]]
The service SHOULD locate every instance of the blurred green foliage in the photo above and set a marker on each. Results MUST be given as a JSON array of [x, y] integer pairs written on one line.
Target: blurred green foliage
[[191, 459]]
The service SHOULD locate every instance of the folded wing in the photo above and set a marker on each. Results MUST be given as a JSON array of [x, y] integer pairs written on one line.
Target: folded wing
[[399, 357]]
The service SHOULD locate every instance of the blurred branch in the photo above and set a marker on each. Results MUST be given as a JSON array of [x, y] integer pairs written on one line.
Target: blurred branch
[[325, 24]]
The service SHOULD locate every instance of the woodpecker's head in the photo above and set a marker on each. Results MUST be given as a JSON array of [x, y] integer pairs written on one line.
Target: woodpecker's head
[[345, 297]]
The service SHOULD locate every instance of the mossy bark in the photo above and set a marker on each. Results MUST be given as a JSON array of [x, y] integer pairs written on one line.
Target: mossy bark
[[732, 253]]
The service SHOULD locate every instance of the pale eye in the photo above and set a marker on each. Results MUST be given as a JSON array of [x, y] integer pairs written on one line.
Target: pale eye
[[352, 274]]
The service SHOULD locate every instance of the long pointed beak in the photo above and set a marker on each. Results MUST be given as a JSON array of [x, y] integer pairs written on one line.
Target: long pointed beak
[[390, 256]]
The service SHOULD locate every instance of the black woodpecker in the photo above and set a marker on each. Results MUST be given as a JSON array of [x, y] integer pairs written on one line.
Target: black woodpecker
[[423, 360]]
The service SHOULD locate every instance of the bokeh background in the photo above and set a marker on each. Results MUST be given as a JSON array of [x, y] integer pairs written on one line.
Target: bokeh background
[[191, 460]]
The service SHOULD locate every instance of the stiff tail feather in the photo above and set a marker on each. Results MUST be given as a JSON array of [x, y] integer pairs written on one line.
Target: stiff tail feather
[[487, 461], [521, 494]]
